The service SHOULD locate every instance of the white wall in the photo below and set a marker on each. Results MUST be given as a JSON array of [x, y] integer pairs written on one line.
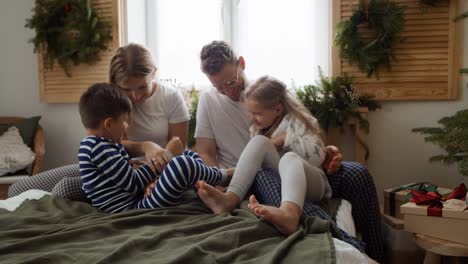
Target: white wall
[[19, 91], [397, 155]]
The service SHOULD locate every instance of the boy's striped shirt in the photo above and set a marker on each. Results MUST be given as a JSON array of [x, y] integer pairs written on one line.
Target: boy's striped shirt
[[109, 180]]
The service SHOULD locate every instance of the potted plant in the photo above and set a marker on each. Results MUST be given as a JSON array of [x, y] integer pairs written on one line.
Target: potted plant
[[334, 102], [193, 118], [452, 137]]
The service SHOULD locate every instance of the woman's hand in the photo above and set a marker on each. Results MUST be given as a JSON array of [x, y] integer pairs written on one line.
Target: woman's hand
[[333, 160], [278, 141], [155, 156]]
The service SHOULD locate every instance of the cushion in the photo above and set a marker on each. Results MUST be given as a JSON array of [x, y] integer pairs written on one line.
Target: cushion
[[14, 154], [27, 128]]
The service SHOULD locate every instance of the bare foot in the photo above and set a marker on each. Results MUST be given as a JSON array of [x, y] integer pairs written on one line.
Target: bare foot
[[286, 218], [216, 200], [175, 146]]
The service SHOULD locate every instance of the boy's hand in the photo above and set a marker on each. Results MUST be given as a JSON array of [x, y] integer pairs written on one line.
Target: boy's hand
[[136, 163], [150, 187], [333, 160], [230, 173]]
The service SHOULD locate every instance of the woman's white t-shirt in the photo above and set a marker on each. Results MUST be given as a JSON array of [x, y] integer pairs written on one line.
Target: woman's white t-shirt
[[151, 119]]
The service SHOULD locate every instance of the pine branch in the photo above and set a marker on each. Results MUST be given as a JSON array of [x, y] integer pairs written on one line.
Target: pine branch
[[452, 137], [462, 16]]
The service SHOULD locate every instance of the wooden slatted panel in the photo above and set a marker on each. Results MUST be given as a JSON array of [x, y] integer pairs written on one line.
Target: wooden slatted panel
[[57, 87], [426, 63]]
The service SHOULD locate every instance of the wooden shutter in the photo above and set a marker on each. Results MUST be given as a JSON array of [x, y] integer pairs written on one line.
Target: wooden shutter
[[57, 87], [426, 66]]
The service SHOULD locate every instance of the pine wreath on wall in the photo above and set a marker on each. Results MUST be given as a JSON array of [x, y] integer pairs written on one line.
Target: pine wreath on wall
[[429, 2], [68, 32], [386, 20]]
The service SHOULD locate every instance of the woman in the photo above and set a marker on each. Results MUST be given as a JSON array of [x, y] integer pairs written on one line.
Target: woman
[[159, 113]]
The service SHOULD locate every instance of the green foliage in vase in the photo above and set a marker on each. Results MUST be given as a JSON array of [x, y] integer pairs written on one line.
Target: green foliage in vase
[[452, 137], [193, 118], [333, 101]]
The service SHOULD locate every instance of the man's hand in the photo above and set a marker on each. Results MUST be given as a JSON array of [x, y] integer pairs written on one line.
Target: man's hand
[[333, 160]]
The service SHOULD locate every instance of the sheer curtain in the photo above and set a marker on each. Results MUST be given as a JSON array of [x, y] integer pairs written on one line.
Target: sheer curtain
[[282, 38]]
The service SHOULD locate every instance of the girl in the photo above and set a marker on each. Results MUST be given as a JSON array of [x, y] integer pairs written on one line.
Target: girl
[[285, 138]]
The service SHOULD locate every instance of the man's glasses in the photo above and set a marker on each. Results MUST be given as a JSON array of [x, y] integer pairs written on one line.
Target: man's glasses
[[233, 81]]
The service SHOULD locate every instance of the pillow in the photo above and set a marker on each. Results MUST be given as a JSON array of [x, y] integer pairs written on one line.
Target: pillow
[[14, 154], [27, 128]]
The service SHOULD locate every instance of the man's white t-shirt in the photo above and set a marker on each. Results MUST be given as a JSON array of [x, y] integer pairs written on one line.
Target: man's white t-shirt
[[225, 121], [151, 119]]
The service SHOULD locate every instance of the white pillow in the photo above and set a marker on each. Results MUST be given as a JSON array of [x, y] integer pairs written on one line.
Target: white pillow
[[14, 154]]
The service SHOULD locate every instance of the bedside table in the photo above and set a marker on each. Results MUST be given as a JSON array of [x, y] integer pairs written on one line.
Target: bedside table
[[436, 248]]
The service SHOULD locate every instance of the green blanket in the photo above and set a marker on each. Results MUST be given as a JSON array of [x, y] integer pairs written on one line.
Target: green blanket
[[55, 230]]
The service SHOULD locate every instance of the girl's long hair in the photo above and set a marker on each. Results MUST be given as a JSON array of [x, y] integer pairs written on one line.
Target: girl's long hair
[[269, 92]]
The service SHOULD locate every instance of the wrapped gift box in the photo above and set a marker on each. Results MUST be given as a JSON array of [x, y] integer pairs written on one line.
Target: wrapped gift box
[[395, 197], [452, 225]]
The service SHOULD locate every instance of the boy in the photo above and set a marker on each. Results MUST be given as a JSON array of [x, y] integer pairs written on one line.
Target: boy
[[109, 180]]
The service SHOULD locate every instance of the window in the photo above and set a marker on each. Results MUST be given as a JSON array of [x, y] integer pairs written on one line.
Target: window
[[281, 38]]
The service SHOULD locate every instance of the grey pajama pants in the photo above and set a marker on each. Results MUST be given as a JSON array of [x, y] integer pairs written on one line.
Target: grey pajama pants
[[299, 179]]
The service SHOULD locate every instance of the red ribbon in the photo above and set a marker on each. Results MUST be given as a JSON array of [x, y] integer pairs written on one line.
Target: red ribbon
[[434, 199], [458, 193], [367, 9], [67, 8]]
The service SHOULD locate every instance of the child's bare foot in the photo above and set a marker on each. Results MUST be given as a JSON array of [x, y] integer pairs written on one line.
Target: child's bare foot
[[216, 200], [175, 146], [286, 218]]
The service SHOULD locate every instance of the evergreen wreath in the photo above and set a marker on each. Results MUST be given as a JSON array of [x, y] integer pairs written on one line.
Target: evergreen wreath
[[386, 19], [429, 2], [68, 31]]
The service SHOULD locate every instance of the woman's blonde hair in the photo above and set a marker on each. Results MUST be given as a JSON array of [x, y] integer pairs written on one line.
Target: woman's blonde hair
[[132, 60], [269, 92]]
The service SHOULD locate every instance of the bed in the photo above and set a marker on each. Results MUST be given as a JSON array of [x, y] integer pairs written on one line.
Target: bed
[[38, 228]]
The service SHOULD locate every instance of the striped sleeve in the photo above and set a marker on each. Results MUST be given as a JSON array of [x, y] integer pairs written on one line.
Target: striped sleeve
[[113, 161]]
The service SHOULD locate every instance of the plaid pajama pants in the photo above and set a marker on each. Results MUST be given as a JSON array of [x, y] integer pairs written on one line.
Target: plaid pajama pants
[[352, 183], [63, 181]]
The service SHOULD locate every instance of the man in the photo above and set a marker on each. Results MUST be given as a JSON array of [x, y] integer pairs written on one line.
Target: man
[[222, 132]]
